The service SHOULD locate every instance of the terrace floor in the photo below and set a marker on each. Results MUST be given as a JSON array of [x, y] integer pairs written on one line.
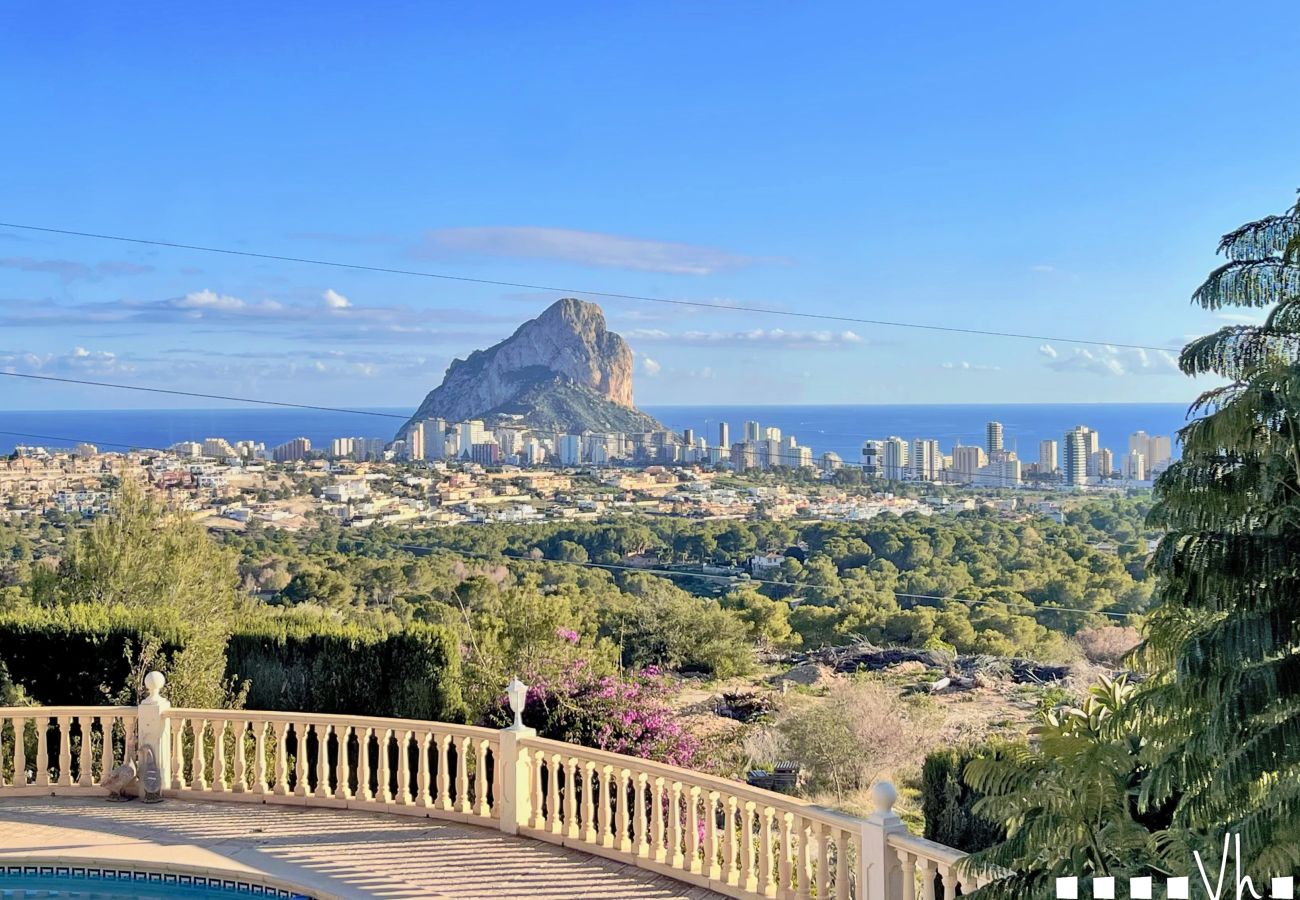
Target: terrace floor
[[336, 853]]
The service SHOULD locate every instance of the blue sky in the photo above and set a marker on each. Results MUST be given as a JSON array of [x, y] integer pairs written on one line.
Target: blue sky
[[1057, 169]]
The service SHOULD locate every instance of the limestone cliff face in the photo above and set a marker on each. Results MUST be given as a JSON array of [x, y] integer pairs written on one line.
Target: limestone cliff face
[[563, 370]]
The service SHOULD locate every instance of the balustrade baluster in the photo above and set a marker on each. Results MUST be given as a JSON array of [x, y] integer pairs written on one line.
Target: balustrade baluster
[[364, 790], [199, 773], [219, 782], [463, 803], [445, 800], [676, 813], [537, 788], [554, 819], [765, 850], [322, 733], [658, 798], [404, 767], [803, 858], [241, 756], [730, 807], [589, 802], [64, 728], [843, 841], [282, 786], [693, 861], [85, 777], [748, 866], [20, 751], [106, 747], [785, 834], [949, 881], [342, 765], [480, 780], [178, 754], [385, 792], [642, 824], [928, 871], [908, 862], [823, 879], [622, 816], [709, 865], [259, 762], [422, 741], [300, 786], [42, 761], [604, 820], [129, 726]]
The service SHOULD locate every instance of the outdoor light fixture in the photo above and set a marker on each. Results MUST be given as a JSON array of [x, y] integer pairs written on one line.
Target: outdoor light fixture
[[517, 694]]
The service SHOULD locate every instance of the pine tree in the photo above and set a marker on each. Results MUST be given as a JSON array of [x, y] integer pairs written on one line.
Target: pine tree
[[1224, 714]]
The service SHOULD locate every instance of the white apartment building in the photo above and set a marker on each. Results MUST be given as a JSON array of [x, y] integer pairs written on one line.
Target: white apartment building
[[1048, 458], [926, 459], [893, 458]]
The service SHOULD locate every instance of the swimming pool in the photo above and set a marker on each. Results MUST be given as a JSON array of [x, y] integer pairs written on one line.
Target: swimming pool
[[115, 883]]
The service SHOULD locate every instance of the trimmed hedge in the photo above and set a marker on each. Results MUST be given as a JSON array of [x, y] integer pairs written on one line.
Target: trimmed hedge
[[947, 803], [82, 656], [411, 674]]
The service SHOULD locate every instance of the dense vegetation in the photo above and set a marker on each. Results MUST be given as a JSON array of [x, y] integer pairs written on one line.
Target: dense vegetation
[[1136, 779], [836, 580]]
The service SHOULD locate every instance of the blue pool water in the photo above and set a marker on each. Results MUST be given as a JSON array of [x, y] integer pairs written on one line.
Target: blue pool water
[[90, 883]]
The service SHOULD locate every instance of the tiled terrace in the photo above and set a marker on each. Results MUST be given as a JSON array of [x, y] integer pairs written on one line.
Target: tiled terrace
[[334, 853]]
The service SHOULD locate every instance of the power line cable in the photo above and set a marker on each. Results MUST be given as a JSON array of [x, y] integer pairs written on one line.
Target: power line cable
[[179, 393], [699, 304]]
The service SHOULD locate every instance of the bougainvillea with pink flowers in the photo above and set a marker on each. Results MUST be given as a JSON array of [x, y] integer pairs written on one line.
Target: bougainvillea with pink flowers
[[622, 713]]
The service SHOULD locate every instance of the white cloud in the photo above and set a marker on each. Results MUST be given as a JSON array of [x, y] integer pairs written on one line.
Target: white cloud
[[1111, 361], [777, 336], [587, 248], [334, 300], [1043, 268], [649, 367], [211, 300], [1247, 318], [78, 361], [972, 367]]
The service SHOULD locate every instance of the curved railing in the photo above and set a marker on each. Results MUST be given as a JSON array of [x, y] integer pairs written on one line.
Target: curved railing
[[700, 829], [393, 764]]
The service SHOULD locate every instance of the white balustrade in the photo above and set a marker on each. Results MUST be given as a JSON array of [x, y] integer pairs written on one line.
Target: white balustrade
[[63, 749], [421, 768], [724, 835], [710, 831]]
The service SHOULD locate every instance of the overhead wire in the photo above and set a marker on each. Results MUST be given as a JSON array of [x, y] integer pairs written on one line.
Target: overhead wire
[[738, 580], [642, 298]]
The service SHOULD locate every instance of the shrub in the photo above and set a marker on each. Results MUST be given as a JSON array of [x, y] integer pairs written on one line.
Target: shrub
[[1109, 644], [860, 731], [81, 655], [947, 803], [620, 713]]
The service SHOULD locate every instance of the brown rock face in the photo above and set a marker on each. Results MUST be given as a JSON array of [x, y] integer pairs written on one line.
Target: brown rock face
[[547, 374]]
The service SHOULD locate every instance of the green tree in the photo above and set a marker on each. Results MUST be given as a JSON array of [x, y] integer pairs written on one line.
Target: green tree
[[142, 556], [1068, 800], [1226, 636]]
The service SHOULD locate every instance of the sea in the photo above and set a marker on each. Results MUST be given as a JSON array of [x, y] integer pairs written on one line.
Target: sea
[[841, 429]]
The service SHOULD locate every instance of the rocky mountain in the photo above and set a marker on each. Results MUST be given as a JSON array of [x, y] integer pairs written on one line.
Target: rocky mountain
[[563, 371]]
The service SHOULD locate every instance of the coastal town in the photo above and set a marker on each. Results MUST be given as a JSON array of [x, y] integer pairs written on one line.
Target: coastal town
[[467, 473]]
